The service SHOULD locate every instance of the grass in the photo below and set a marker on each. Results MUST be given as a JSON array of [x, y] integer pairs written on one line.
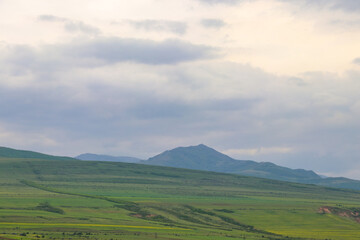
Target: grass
[[105, 200]]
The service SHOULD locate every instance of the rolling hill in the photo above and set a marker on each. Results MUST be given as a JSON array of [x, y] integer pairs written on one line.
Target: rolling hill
[[14, 153], [204, 158], [72, 199], [201, 157]]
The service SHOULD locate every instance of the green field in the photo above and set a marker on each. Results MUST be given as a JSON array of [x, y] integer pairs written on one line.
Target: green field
[[69, 199]]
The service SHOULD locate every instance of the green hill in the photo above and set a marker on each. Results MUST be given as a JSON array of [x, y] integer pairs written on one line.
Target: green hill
[[14, 153], [204, 158], [43, 198]]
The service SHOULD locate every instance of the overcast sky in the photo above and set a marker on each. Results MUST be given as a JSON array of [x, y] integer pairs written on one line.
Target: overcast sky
[[267, 80]]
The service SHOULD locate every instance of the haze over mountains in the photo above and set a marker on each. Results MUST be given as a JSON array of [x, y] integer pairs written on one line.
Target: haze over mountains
[[107, 158], [202, 157], [205, 158]]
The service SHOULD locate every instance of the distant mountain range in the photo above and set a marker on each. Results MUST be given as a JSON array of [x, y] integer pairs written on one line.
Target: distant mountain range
[[204, 158], [107, 158], [201, 157]]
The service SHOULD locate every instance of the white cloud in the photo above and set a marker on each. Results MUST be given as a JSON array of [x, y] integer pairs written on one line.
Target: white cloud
[[356, 61], [277, 90]]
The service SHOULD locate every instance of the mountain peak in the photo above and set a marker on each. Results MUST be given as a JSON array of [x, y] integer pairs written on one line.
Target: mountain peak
[[199, 157], [202, 145], [199, 146], [202, 157]]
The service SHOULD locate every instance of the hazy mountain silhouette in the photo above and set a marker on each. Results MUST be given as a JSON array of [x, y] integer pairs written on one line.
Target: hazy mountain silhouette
[[107, 158]]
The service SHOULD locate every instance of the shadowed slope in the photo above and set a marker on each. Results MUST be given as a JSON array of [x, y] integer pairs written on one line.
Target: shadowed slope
[[14, 153], [202, 157]]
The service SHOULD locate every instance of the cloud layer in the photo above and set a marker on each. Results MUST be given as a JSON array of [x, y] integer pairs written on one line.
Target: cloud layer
[[71, 25], [160, 26], [213, 23], [266, 80]]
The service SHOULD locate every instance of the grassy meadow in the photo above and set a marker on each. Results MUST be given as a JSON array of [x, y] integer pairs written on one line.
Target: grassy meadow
[[70, 199]]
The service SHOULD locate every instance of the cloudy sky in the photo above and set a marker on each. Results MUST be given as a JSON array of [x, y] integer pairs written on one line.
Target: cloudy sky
[[267, 80]]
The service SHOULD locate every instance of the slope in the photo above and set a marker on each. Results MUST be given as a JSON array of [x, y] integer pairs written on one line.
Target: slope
[[202, 157], [205, 158], [106, 196], [14, 153], [109, 200]]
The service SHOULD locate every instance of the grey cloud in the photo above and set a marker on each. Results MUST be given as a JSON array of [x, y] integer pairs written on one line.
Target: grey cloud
[[102, 51], [71, 25], [349, 5], [51, 18], [114, 50], [159, 109], [344, 24], [356, 61], [81, 27], [134, 108], [154, 108], [298, 81], [160, 26], [230, 2], [115, 113], [213, 23], [346, 5]]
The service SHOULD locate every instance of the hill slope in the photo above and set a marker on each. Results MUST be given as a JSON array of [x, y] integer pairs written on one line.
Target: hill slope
[[107, 158], [14, 153], [202, 157], [110, 200]]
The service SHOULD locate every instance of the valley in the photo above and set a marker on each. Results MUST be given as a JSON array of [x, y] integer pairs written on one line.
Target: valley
[[72, 199]]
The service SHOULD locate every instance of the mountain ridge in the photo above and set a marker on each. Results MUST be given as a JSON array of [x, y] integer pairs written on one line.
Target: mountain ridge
[[202, 157], [185, 157], [188, 158]]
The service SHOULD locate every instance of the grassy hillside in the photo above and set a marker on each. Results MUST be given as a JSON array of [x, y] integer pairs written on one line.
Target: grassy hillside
[[204, 158], [106, 200], [14, 153]]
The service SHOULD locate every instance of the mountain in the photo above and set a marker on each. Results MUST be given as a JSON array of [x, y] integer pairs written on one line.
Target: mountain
[[14, 153], [107, 158], [112, 200], [205, 158]]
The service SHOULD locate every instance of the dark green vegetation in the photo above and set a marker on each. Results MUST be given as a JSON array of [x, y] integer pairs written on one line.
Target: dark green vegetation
[[14, 153], [204, 158], [97, 157], [75, 199]]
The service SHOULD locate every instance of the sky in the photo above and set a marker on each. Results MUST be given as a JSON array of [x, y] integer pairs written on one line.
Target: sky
[[266, 80]]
